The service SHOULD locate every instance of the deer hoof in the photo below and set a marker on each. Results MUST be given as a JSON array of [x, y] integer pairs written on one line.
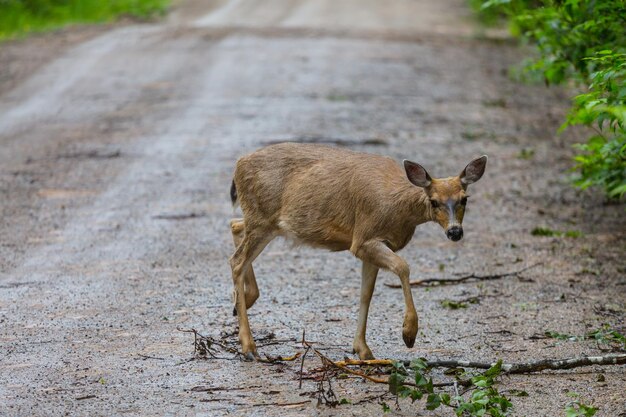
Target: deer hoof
[[248, 350], [409, 341], [366, 356], [364, 352], [409, 329]]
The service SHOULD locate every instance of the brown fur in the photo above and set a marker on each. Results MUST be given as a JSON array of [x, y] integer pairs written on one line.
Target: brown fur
[[336, 199]]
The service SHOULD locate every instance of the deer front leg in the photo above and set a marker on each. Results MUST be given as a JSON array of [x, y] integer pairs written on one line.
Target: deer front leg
[[250, 247], [377, 253], [368, 281], [251, 289]]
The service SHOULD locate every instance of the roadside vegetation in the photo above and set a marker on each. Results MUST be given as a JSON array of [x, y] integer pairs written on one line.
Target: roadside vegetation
[[19, 17], [581, 43]]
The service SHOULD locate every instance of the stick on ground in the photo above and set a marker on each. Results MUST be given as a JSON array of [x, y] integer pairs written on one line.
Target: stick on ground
[[464, 278], [508, 368], [539, 365]]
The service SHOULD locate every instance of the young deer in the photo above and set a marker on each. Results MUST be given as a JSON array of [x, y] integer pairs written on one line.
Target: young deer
[[339, 199]]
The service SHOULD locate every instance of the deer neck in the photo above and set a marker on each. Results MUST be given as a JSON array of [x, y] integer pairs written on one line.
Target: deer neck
[[415, 204]]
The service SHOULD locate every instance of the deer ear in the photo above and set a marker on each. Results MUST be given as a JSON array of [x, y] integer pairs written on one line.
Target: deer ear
[[474, 170], [417, 174]]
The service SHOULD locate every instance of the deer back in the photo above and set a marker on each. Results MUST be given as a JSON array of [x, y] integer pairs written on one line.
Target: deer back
[[329, 197]]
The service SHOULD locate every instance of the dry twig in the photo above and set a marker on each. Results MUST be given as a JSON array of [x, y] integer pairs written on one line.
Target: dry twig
[[303, 357], [327, 361], [205, 346], [464, 278]]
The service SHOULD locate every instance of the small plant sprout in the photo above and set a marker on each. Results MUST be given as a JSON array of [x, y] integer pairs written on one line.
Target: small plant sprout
[[577, 408]]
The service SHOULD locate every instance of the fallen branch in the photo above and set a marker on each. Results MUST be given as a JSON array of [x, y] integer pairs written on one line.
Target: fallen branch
[[93, 154], [371, 362], [203, 388], [472, 277], [507, 368], [274, 359], [540, 365], [206, 347], [179, 216], [144, 357], [303, 357], [342, 365], [327, 361], [281, 404]]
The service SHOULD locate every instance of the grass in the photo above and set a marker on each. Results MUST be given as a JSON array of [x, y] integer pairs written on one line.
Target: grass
[[20, 17]]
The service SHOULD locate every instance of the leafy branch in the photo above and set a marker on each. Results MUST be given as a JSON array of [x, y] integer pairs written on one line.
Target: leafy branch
[[484, 398], [584, 42]]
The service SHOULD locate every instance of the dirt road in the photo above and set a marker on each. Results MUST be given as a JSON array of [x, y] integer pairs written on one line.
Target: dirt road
[[116, 154]]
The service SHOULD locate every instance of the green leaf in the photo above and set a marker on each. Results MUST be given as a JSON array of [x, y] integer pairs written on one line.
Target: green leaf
[[418, 363], [478, 395], [433, 402], [453, 305], [480, 382], [420, 380], [416, 395], [495, 370], [518, 393], [395, 382]]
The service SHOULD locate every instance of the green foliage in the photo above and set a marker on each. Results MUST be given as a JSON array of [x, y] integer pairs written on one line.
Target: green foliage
[[604, 335], [385, 407], [526, 153], [578, 408], [18, 17], [563, 336], [483, 399], [608, 335], [603, 157], [583, 41], [453, 305]]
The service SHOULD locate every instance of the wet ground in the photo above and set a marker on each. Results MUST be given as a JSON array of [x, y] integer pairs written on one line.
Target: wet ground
[[117, 150]]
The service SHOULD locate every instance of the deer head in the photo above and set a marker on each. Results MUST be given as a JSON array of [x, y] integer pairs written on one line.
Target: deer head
[[448, 196]]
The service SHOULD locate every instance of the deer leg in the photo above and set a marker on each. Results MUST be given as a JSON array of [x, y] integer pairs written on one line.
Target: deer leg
[[368, 281], [253, 242], [251, 289], [380, 255]]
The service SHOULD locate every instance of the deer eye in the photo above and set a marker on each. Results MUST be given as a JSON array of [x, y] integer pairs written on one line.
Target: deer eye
[[434, 203], [464, 201]]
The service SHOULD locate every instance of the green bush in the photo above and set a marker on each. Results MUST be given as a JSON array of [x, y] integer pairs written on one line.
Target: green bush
[[18, 17], [583, 41]]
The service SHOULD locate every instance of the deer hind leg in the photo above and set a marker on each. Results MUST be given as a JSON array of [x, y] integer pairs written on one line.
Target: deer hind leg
[[380, 255], [251, 289], [253, 242], [369, 273]]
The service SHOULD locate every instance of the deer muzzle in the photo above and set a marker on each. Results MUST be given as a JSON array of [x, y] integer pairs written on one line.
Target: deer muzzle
[[454, 233]]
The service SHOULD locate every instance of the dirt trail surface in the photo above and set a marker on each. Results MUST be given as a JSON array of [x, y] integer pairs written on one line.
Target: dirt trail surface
[[116, 156]]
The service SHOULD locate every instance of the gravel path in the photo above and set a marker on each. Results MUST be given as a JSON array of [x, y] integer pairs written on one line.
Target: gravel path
[[117, 150]]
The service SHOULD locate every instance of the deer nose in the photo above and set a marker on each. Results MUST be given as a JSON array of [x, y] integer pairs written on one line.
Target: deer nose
[[455, 233]]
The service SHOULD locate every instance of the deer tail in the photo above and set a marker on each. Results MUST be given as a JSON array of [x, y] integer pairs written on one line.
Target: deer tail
[[233, 194]]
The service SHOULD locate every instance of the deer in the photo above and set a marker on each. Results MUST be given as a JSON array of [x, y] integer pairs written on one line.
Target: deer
[[339, 199]]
